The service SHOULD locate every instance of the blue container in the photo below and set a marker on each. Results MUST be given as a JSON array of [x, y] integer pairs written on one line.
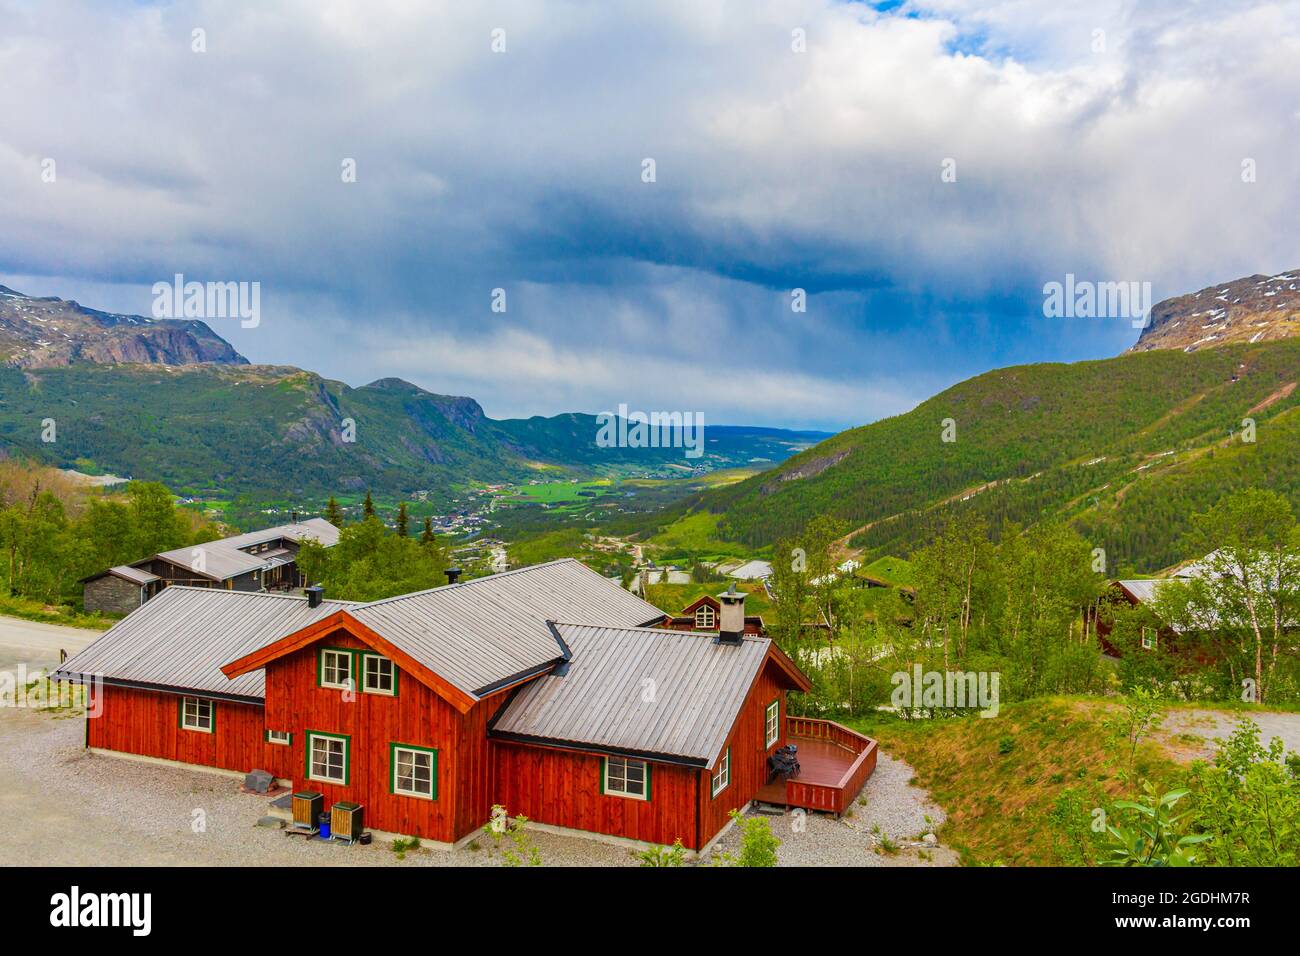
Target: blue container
[[323, 821]]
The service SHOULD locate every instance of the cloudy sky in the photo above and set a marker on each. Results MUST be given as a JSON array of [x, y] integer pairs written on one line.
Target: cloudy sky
[[797, 144]]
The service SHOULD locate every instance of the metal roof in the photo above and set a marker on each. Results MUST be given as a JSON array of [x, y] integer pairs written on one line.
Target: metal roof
[[180, 638], [1143, 589], [134, 575], [222, 559], [480, 633], [639, 690]]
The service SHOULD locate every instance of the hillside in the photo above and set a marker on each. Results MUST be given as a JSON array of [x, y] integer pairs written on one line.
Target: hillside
[[277, 432], [1127, 448], [50, 332], [1253, 309]]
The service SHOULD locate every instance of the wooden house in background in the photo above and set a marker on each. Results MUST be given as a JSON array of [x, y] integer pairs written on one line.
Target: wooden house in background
[[543, 690], [257, 561]]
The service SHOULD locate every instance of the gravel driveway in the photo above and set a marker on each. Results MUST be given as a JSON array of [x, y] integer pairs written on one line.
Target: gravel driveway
[[63, 806], [36, 644], [887, 807], [1181, 727]]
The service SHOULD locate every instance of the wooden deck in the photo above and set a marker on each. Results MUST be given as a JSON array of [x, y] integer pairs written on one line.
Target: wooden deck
[[834, 763]]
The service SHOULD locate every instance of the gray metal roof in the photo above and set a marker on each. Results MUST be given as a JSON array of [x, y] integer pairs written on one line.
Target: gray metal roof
[[600, 700], [181, 637], [223, 559], [134, 575], [479, 633]]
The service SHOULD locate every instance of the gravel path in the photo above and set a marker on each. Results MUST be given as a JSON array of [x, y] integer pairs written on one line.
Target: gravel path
[[63, 806], [888, 807], [1182, 728], [37, 644]]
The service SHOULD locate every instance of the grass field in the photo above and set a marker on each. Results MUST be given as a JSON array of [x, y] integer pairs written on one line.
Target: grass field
[[998, 778]]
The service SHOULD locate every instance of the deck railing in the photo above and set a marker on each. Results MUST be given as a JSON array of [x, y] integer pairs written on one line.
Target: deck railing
[[832, 798]]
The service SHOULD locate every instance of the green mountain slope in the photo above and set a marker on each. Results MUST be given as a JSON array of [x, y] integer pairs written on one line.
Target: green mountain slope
[[1126, 448], [276, 432]]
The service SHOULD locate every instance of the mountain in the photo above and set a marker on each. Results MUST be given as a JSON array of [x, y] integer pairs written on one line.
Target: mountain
[[172, 401], [50, 332], [1124, 448], [1254, 309]]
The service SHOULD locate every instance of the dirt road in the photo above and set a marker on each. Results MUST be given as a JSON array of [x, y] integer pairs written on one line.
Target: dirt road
[[38, 645]]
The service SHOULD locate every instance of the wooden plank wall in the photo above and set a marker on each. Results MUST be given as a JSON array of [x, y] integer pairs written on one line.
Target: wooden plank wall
[[748, 755], [146, 723], [416, 716], [562, 788]]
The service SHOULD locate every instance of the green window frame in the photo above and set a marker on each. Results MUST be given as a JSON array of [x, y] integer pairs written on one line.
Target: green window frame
[[625, 770], [345, 761], [395, 750], [369, 657], [772, 723], [345, 653], [286, 742], [192, 718], [721, 778]]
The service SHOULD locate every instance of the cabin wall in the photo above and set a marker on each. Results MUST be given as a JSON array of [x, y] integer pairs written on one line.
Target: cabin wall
[[148, 723], [416, 716], [748, 754], [562, 788]]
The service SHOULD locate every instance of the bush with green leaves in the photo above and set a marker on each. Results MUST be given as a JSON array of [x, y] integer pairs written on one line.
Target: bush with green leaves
[[758, 846], [674, 855], [1248, 802], [1149, 833]]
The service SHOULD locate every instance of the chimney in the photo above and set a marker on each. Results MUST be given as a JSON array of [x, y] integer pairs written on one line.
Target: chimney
[[315, 594], [453, 575], [731, 623]]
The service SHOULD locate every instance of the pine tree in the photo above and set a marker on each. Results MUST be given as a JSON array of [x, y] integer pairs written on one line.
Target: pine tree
[[368, 508], [403, 522], [334, 514], [427, 536]]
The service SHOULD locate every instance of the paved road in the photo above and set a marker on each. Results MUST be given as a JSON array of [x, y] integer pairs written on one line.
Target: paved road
[[36, 644]]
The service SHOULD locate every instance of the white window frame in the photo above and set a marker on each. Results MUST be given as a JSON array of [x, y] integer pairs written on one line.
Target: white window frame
[[772, 723], [1148, 643], [312, 737], [722, 776], [349, 682], [623, 791], [365, 675], [415, 752], [282, 738], [712, 616], [198, 715]]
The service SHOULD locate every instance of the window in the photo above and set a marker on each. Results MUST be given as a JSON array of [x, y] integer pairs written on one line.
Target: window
[[196, 714], [378, 675], [414, 771], [772, 723], [705, 616], [327, 757], [722, 776], [626, 778], [1148, 642], [282, 737], [336, 669]]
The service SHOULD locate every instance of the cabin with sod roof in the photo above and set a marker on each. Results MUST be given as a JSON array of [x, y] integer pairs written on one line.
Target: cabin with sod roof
[[546, 690]]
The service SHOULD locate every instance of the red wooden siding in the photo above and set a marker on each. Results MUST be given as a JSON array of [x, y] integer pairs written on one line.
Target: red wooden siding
[[748, 753], [562, 788], [416, 716], [147, 723]]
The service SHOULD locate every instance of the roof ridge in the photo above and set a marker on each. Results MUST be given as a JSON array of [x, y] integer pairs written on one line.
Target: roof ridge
[[654, 630], [259, 594], [461, 584]]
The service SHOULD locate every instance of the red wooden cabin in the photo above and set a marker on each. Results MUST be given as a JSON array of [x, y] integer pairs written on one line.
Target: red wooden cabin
[[430, 708]]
